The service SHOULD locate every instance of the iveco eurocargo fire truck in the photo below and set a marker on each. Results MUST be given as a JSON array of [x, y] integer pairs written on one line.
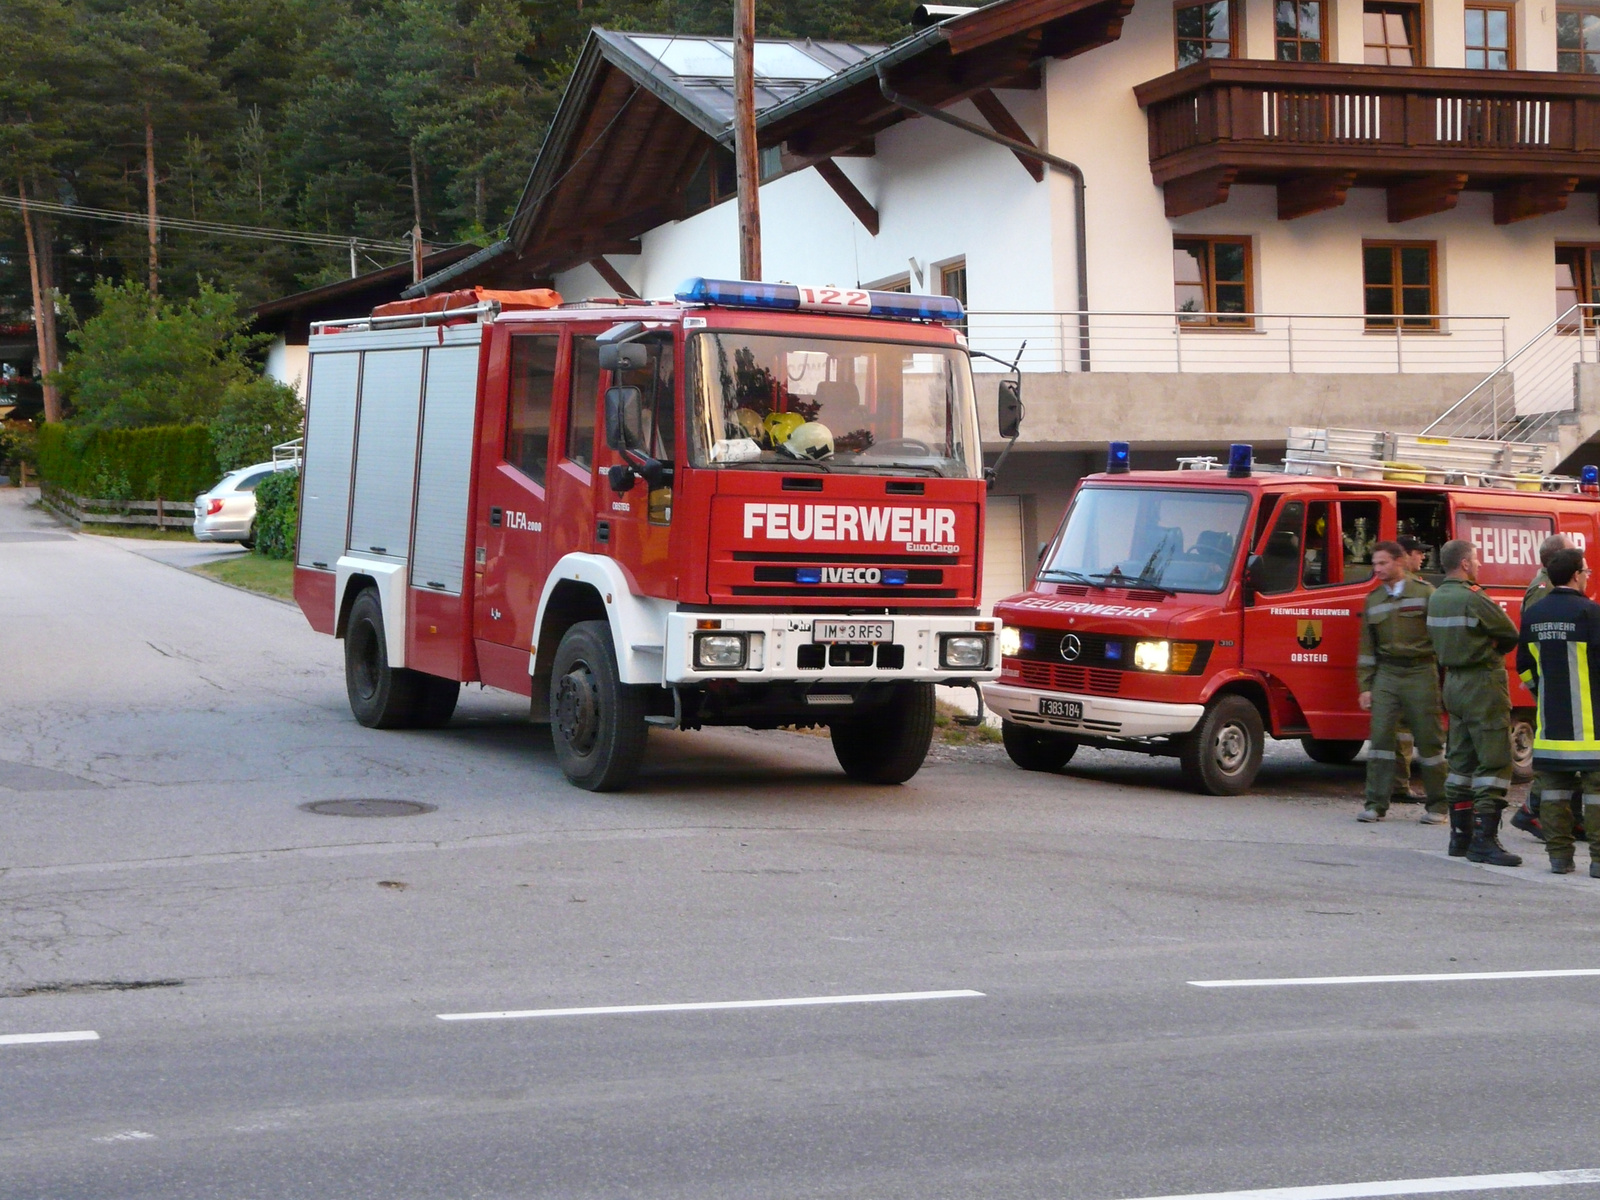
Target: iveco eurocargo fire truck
[[753, 504], [1193, 612]]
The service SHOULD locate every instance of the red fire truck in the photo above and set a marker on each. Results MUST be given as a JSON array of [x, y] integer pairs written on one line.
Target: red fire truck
[[1192, 612], [755, 504]]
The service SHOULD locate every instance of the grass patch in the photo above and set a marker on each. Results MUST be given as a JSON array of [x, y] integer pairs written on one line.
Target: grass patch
[[269, 576], [147, 533]]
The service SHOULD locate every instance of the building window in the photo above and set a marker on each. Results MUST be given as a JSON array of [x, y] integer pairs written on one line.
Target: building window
[[1204, 30], [1400, 281], [1578, 40], [533, 378], [1211, 280], [900, 284], [953, 280], [1300, 29], [1490, 35], [1392, 32], [1577, 274]]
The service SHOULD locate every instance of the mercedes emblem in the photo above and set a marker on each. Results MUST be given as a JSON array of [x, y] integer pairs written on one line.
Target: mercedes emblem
[[1071, 647]]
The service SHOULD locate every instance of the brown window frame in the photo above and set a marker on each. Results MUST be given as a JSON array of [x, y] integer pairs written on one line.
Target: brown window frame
[[1279, 42], [1212, 318], [1510, 9], [1412, 10], [1386, 322], [1588, 62], [1235, 15], [1586, 289]]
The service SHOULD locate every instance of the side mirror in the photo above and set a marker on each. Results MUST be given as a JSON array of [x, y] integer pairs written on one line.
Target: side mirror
[[1010, 406], [626, 356], [624, 415], [1252, 577]]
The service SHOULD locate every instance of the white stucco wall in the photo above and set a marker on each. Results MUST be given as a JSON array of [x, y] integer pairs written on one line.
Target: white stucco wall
[[288, 364]]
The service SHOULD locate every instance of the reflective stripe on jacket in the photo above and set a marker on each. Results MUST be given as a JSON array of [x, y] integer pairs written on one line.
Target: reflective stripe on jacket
[[1394, 630], [1559, 658], [1468, 629]]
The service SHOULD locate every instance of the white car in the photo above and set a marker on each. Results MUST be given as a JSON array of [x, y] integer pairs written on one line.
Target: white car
[[227, 513]]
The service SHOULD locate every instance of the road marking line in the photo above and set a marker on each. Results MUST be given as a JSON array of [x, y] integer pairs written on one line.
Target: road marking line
[[1402, 1187], [30, 1039], [707, 1006], [1453, 977]]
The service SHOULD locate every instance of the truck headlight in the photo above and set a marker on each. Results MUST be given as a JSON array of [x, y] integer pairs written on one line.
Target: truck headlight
[[964, 651], [720, 651], [1152, 656], [1010, 641]]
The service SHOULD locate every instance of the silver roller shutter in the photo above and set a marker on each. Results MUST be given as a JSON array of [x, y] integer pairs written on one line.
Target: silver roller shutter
[[386, 453], [330, 438], [444, 475]]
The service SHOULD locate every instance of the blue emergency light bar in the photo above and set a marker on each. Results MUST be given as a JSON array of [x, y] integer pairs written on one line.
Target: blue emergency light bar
[[789, 297], [1240, 460]]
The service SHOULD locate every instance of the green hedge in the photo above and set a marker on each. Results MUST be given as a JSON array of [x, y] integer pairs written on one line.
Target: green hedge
[[277, 514], [167, 462]]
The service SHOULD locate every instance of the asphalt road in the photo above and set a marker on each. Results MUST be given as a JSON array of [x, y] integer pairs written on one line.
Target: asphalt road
[[265, 983]]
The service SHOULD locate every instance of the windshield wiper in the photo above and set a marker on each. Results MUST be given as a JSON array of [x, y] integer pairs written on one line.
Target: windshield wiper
[[1144, 581], [1070, 577]]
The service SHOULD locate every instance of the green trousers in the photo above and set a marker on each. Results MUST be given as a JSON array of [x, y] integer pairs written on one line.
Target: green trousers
[[1556, 817], [1407, 696], [1480, 737]]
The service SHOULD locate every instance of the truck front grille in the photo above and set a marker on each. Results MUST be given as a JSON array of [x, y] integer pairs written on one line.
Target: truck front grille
[[1059, 677]]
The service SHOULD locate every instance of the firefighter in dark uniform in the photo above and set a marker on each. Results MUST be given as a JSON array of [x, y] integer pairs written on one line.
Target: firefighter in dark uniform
[[1398, 678], [1526, 818], [1471, 635], [1559, 660]]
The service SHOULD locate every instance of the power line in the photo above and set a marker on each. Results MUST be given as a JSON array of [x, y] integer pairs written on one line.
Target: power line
[[215, 228]]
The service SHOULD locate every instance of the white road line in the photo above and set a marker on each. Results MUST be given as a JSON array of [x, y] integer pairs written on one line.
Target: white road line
[[708, 1006], [1453, 977], [1402, 1187], [32, 1039]]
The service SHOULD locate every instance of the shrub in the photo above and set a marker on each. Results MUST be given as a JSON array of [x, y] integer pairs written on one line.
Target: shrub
[[171, 462], [254, 417], [277, 514]]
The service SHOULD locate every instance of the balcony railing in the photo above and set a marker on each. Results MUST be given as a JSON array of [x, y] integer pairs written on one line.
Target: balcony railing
[[1299, 343]]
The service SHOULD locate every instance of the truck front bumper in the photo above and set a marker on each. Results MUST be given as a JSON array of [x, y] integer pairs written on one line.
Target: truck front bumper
[[780, 648], [1102, 716]]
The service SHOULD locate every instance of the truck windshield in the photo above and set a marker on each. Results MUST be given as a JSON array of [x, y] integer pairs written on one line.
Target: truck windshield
[[1177, 541], [764, 400]]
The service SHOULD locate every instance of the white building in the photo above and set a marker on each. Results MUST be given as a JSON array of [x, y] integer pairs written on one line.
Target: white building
[[1267, 183]]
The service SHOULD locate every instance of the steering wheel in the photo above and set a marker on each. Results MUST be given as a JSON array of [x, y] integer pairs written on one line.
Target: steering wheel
[[903, 446]]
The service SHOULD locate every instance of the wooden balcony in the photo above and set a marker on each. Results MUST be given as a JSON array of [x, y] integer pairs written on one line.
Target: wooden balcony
[[1315, 130]]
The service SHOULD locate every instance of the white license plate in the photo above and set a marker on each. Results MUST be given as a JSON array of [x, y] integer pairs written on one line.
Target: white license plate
[[857, 632], [1071, 709]]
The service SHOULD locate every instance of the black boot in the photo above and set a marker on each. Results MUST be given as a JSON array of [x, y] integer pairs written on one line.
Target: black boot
[[1562, 864], [1486, 847], [1524, 820], [1460, 830]]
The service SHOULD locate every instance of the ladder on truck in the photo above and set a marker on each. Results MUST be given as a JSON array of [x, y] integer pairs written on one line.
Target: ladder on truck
[[1414, 458]]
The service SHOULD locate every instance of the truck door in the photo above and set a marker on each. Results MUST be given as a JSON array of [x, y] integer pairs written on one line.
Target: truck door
[[573, 526], [512, 509], [641, 518], [1304, 624]]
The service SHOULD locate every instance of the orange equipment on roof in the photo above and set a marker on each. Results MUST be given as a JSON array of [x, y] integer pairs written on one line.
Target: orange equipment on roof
[[467, 297]]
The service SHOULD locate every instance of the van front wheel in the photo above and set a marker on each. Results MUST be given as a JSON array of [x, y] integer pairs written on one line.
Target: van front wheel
[[1223, 752]]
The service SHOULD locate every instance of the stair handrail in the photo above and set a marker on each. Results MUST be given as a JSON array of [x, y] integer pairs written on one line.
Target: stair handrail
[[1501, 369]]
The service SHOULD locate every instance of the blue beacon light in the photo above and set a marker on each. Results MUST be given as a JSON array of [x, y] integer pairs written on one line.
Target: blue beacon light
[[1591, 479], [1117, 459], [1239, 460], [808, 574]]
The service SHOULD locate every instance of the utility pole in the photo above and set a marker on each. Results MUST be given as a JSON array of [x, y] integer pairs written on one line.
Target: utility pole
[[416, 254], [44, 310], [746, 156], [150, 200]]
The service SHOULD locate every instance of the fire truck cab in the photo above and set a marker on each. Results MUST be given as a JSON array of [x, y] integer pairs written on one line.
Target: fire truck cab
[[1193, 612], [754, 504]]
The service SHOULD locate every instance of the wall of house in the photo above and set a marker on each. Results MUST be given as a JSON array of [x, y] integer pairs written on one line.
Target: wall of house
[[288, 364]]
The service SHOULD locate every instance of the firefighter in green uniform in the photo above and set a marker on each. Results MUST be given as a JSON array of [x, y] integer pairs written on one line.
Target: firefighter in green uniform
[[1471, 635], [1559, 659], [1398, 677], [1416, 556], [1526, 818]]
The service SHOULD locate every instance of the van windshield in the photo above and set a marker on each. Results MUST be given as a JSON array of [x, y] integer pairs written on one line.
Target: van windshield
[[764, 400], [1178, 541]]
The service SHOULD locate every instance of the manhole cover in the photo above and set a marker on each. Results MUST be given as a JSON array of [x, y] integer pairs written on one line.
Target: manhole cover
[[368, 808]]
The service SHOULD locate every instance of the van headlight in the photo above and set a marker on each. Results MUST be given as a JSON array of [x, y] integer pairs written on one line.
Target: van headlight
[[964, 651], [1010, 641], [1152, 656], [720, 651]]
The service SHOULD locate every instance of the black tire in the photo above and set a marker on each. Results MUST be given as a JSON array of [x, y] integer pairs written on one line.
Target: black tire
[[249, 539], [436, 701], [1334, 751], [1036, 749], [381, 696], [1223, 753], [889, 745], [596, 722]]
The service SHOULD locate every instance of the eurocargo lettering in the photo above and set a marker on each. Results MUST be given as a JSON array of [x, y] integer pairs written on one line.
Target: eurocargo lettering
[[577, 504]]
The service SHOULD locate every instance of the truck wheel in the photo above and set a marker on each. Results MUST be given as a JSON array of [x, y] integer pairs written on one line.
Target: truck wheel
[[1521, 747], [596, 721], [1036, 749], [1223, 753], [436, 701], [1336, 751], [889, 746], [381, 696]]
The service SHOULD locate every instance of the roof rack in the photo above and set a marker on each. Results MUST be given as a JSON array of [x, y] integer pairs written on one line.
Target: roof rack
[[486, 311], [1380, 456]]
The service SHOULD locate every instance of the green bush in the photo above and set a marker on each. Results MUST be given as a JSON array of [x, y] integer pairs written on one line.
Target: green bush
[[254, 417], [167, 462], [277, 514]]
